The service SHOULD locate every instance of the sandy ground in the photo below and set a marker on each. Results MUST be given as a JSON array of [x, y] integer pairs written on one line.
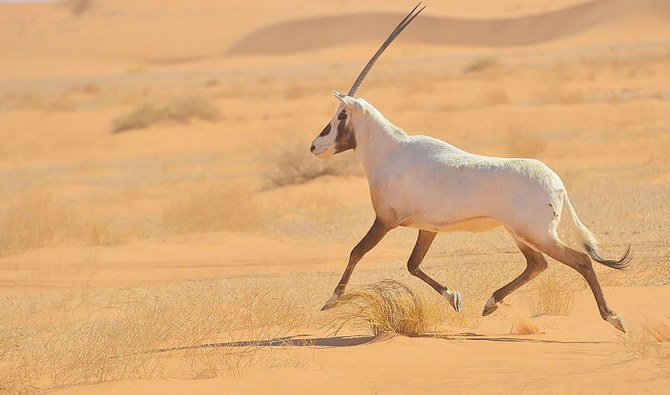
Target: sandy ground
[[583, 86]]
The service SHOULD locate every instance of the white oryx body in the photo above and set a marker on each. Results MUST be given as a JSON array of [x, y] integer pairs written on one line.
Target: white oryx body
[[428, 184]]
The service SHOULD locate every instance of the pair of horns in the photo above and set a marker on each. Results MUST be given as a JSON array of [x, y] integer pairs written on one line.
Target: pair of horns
[[401, 26]]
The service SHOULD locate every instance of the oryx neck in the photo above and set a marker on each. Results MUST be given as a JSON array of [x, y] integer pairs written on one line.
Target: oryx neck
[[377, 139]]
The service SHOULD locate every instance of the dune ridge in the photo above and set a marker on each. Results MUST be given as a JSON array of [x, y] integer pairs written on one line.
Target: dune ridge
[[323, 32]]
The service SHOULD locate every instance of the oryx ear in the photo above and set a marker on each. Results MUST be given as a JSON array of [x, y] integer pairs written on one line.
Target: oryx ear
[[349, 102]]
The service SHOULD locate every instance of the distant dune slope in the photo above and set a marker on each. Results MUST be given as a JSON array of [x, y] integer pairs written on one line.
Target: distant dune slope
[[322, 32]]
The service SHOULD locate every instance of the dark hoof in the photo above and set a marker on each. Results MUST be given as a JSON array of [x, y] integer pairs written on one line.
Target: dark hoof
[[331, 302], [490, 307]]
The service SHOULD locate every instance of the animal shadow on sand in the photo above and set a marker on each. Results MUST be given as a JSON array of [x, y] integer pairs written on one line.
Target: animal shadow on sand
[[351, 341]]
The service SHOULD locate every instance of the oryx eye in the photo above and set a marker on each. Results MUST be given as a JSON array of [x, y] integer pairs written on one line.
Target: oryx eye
[[342, 116]]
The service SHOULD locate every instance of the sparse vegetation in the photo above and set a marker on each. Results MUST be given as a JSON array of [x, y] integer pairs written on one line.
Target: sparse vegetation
[[292, 163], [34, 219], [480, 64], [386, 307], [644, 340], [210, 208], [524, 326], [659, 331], [559, 94], [551, 295], [78, 7], [523, 144], [31, 221], [181, 109], [497, 97], [216, 329]]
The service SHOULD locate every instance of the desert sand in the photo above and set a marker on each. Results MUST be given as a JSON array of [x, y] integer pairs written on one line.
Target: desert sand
[[164, 229]]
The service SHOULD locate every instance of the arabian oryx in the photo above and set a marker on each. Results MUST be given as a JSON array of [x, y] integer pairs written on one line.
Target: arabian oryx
[[425, 183]]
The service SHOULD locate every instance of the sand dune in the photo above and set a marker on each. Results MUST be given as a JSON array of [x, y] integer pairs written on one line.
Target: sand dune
[[322, 32]]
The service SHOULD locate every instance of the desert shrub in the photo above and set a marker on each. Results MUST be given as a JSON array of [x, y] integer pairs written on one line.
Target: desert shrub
[[551, 295], [522, 143], [213, 207], [292, 163], [31, 221], [480, 64], [386, 307], [660, 331], [644, 340], [181, 109], [559, 94], [524, 326], [78, 7], [496, 97], [147, 333]]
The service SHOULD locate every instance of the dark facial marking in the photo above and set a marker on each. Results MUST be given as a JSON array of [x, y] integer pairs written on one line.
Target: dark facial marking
[[325, 131], [345, 139]]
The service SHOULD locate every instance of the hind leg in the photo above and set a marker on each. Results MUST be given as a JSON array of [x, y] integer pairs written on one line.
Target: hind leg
[[581, 262], [535, 264]]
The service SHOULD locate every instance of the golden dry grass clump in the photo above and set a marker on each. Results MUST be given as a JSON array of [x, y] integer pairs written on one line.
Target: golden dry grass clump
[[212, 207], [386, 307], [78, 7], [646, 340], [524, 326], [144, 333], [480, 63], [551, 295], [180, 109], [31, 221], [659, 331], [292, 163], [36, 219]]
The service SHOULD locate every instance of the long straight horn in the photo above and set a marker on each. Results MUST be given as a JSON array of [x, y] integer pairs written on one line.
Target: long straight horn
[[401, 26]]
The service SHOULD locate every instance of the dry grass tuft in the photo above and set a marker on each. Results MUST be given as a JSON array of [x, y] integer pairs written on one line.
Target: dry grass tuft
[[496, 97], [145, 333], [181, 109], [211, 208], [480, 64], [660, 331], [643, 341], [558, 94], [31, 221], [292, 163], [524, 326], [386, 307], [636, 343], [523, 144], [78, 7], [552, 295], [35, 220]]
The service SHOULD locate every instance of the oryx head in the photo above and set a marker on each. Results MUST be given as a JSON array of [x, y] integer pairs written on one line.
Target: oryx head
[[338, 135]]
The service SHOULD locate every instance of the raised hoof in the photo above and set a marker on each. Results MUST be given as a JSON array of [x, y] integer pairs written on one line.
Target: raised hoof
[[454, 299], [490, 307], [616, 321]]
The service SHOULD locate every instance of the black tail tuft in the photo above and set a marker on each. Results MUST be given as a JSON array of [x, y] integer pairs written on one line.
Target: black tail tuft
[[619, 264]]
